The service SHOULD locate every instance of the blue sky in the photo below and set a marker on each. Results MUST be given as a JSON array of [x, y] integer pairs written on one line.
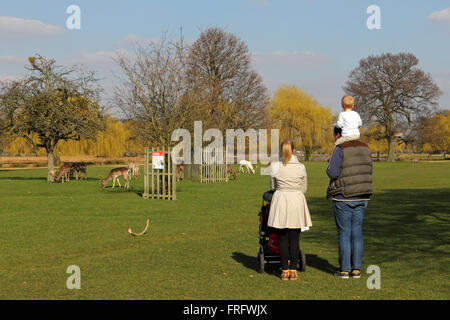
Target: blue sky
[[312, 44]]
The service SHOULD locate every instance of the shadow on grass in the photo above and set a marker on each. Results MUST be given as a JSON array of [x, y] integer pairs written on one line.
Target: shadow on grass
[[109, 189], [45, 179], [398, 223], [251, 263], [23, 178], [314, 261], [247, 261]]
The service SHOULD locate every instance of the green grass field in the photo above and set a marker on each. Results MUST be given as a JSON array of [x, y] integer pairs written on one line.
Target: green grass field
[[204, 244]]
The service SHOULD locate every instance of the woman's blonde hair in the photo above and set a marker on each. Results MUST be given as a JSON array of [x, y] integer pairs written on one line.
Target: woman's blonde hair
[[287, 149]]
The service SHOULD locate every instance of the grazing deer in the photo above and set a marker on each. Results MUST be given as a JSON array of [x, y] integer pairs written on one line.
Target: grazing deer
[[247, 165], [63, 172], [115, 174], [180, 171], [77, 169], [230, 169], [134, 170]]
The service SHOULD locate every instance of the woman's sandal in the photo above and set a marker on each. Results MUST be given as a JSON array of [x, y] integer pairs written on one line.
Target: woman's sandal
[[285, 275], [293, 275]]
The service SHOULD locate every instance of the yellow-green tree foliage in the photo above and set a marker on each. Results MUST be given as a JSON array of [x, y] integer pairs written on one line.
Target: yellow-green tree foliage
[[374, 137], [436, 133], [300, 117], [115, 141]]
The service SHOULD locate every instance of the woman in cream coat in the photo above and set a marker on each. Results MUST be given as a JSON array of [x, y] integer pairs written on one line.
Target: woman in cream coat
[[289, 213]]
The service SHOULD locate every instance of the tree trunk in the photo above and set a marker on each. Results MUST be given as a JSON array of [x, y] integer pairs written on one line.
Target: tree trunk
[[391, 149], [50, 165], [308, 153]]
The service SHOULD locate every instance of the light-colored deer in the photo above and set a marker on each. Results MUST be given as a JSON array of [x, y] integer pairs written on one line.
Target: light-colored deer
[[133, 170], [115, 174], [247, 166]]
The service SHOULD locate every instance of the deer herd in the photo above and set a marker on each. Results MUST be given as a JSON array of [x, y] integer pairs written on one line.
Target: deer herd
[[78, 170], [68, 170]]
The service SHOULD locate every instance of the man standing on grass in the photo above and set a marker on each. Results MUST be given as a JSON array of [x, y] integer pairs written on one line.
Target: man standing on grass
[[350, 172]]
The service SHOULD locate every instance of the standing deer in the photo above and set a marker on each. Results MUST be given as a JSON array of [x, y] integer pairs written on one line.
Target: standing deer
[[115, 174], [134, 169], [180, 171], [230, 169], [78, 168], [63, 172]]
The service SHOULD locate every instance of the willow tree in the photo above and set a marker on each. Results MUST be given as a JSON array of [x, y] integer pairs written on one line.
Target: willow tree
[[54, 102], [390, 89], [300, 117]]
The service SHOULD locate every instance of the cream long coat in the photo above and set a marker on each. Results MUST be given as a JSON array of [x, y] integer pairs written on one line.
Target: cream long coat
[[288, 209]]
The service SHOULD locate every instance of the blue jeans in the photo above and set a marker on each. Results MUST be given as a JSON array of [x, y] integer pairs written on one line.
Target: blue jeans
[[349, 217]]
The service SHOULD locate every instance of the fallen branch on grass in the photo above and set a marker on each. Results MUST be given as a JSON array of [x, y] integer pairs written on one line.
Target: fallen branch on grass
[[142, 233]]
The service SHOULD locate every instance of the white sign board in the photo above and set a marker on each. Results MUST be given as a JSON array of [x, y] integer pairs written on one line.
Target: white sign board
[[158, 160]]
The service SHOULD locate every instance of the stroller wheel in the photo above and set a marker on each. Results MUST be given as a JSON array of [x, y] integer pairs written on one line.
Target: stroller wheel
[[260, 262], [302, 260]]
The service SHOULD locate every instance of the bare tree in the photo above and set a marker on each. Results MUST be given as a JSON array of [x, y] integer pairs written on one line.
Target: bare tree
[[151, 89], [229, 93], [390, 89], [53, 102]]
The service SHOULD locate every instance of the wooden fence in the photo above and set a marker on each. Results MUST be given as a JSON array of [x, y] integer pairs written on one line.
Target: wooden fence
[[212, 169], [159, 183]]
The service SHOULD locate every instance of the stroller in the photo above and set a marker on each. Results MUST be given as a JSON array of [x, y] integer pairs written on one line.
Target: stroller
[[268, 239]]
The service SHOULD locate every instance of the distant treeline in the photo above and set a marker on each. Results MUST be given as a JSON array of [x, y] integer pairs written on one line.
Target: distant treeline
[[116, 141]]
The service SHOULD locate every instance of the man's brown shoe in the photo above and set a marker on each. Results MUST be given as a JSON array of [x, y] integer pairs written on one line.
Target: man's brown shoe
[[293, 275], [285, 275]]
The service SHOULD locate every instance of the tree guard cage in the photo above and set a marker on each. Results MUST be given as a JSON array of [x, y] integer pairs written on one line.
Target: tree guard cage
[[213, 168], [159, 183]]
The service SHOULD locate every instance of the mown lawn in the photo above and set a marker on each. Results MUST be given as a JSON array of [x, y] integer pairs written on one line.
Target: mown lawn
[[204, 244]]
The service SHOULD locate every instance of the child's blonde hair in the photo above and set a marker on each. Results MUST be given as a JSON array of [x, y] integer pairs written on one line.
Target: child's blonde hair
[[348, 102]]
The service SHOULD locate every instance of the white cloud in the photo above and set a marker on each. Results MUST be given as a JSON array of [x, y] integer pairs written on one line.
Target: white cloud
[[442, 16], [12, 60], [20, 29], [260, 3], [132, 39], [100, 61], [8, 78]]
